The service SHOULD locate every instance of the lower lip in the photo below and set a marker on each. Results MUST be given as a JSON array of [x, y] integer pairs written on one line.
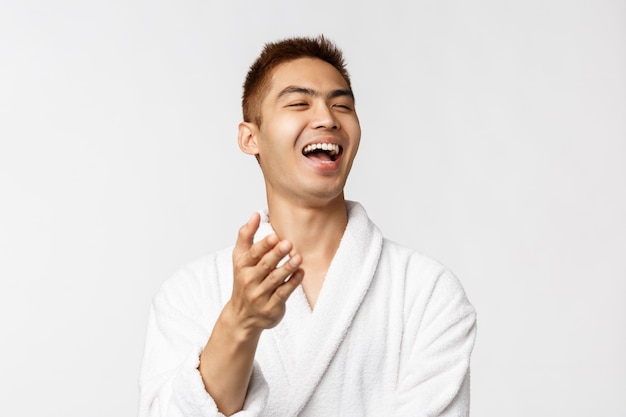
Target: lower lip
[[324, 166]]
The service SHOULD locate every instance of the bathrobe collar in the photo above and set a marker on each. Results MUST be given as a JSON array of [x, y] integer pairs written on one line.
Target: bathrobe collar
[[307, 340]]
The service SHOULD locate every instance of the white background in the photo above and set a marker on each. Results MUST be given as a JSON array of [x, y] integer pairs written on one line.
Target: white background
[[494, 140]]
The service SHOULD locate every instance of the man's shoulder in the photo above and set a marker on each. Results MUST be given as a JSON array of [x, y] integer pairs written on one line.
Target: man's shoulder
[[396, 252], [200, 275], [207, 261], [421, 272], [411, 256]]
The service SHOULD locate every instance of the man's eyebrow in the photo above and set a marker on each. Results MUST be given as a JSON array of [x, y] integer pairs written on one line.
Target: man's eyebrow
[[292, 89], [341, 93]]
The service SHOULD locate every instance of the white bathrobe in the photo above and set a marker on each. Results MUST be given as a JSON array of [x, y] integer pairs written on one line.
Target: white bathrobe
[[391, 335]]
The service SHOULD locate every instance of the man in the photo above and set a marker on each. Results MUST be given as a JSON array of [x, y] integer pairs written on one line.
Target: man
[[313, 312]]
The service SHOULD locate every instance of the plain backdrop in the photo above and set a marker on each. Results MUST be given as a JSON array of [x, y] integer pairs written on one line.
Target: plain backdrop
[[494, 140]]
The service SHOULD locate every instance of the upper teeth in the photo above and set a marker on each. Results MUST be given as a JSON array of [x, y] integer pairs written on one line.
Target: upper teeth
[[330, 147]]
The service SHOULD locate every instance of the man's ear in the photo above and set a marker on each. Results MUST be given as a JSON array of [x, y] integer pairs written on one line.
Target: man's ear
[[248, 138]]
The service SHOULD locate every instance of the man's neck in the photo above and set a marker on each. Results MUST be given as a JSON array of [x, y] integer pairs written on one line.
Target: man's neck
[[314, 231]]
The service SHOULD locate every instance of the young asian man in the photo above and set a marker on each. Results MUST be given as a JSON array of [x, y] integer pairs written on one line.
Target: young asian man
[[312, 312]]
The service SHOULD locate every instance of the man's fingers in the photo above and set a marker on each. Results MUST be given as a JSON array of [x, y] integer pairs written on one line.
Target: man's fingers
[[265, 255], [286, 289], [259, 251], [266, 260], [278, 276], [245, 237]]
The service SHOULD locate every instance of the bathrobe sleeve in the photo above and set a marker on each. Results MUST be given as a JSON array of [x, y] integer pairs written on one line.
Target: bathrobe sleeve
[[179, 325], [440, 329]]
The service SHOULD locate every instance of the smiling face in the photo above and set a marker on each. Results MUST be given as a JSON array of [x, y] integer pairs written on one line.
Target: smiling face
[[309, 133]]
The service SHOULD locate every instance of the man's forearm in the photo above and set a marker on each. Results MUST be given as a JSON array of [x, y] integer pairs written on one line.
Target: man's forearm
[[260, 290], [226, 363]]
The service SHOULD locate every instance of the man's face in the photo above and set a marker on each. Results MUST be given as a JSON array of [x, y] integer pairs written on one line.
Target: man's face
[[310, 132]]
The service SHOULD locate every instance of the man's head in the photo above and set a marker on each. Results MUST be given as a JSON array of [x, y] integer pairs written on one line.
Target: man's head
[[274, 54], [310, 131]]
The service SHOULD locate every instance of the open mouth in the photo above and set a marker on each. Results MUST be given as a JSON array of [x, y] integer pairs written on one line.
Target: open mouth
[[322, 151]]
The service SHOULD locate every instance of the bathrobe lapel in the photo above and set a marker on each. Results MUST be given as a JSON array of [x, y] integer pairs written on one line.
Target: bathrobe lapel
[[308, 340]]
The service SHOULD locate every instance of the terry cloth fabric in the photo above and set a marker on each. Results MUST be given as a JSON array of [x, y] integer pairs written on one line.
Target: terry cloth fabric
[[391, 334]]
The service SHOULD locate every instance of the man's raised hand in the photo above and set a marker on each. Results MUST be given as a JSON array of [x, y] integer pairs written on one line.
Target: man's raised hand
[[260, 288]]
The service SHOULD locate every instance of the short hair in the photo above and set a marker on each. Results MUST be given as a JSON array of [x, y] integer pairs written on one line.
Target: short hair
[[276, 53]]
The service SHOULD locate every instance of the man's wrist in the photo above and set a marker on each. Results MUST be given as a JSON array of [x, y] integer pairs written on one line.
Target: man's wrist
[[240, 331]]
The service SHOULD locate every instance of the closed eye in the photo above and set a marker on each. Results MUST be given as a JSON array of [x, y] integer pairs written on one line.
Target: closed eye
[[343, 106]]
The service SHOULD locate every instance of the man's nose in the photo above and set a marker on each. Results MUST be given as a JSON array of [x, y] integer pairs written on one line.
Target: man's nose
[[324, 117]]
